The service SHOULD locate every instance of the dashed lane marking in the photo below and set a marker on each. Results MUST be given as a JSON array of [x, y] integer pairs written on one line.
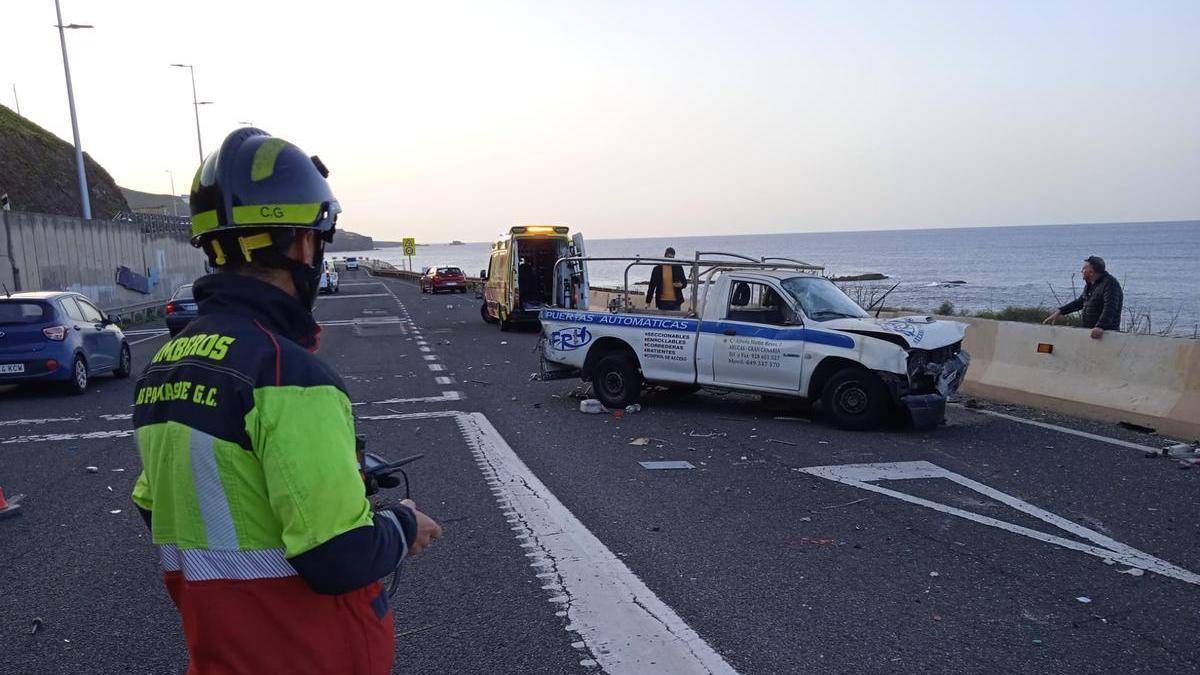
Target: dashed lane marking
[[445, 396], [436, 367], [90, 435], [48, 420], [351, 296], [623, 625], [444, 380]]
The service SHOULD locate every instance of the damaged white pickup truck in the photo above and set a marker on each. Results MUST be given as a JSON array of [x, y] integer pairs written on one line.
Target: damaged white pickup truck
[[773, 328]]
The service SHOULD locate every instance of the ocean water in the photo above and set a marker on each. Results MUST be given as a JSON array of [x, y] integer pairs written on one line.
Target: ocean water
[[1158, 264]]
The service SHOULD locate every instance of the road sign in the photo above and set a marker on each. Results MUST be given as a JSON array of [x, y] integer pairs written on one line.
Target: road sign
[[410, 245]]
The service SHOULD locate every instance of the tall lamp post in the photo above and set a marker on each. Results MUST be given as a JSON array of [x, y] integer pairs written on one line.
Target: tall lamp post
[[195, 105], [174, 198], [85, 202]]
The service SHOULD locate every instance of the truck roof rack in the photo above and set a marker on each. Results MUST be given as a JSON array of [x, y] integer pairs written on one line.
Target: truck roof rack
[[703, 259]]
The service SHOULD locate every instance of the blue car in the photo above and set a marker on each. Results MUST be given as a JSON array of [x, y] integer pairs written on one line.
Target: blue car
[[59, 337]]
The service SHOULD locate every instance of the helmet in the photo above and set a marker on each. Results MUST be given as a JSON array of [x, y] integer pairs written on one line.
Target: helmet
[[259, 182], [251, 197]]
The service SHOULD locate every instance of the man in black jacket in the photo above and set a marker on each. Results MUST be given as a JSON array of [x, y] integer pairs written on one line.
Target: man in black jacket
[[666, 285], [1101, 300]]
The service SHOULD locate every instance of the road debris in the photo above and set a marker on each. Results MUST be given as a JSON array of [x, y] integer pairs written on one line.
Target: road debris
[[665, 465], [935, 574], [591, 406], [776, 440], [792, 419], [1084, 599], [484, 383], [711, 434], [1132, 571], [37, 623], [118, 470], [92, 469], [631, 409], [115, 511]]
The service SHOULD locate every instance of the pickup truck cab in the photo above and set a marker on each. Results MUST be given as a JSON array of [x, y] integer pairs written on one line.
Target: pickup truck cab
[[775, 332]]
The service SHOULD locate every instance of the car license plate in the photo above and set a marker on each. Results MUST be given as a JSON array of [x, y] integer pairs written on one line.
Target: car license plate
[[189, 306], [451, 283], [12, 368]]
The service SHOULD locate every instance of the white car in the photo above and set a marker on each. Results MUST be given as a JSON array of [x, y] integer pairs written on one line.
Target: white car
[[329, 279], [771, 331], [351, 263]]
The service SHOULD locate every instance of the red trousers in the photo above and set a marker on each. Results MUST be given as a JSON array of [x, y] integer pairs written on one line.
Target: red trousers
[[281, 626]]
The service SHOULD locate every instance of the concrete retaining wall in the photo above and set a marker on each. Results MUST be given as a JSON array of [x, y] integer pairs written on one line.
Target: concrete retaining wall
[[40, 252]]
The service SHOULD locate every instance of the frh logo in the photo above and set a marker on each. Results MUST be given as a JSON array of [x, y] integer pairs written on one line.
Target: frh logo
[[570, 339]]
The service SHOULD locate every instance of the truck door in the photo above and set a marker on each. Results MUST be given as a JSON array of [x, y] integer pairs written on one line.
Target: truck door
[[752, 343]]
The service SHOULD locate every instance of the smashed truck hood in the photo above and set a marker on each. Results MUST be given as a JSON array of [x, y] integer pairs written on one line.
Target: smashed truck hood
[[923, 332]]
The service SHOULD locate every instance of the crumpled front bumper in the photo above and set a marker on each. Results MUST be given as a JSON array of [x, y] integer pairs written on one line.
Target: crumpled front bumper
[[928, 410]]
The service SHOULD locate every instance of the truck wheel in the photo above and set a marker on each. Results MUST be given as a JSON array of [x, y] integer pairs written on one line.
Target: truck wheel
[[487, 318], [855, 399], [617, 381]]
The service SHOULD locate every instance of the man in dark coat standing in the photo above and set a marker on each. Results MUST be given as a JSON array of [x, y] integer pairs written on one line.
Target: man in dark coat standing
[[666, 285], [1101, 300]]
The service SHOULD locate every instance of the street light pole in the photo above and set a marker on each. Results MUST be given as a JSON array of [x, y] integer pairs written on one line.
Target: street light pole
[[85, 202], [174, 198], [195, 105]]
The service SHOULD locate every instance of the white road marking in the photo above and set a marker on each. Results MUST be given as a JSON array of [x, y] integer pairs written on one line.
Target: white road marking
[[48, 420], [863, 475], [147, 339], [424, 348], [436, 367], [622, 623], [366, 321], [361, 283], [1067, 430], [144, 331], [45, 438], [117, 417], [430, 357], [444, 380], [445, 396], [352, 296]]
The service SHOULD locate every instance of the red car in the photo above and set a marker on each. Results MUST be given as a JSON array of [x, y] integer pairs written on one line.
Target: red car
[[443, 279]]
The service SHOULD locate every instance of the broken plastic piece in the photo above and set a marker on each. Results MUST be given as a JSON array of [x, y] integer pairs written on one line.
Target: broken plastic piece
[[591, 406]]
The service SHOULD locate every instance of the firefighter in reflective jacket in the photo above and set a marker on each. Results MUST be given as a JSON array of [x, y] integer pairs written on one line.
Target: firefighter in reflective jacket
[[250, 482]]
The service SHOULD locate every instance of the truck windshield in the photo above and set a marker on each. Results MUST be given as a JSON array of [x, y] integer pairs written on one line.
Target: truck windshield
[[821, 300]]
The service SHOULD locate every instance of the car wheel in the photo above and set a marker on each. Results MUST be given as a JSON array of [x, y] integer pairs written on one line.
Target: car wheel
[[616, 381], [79, 376], [487, 318], [856, 399], [125, 365]]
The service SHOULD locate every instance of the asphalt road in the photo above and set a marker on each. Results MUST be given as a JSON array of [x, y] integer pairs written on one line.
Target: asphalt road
[[1010, 550]]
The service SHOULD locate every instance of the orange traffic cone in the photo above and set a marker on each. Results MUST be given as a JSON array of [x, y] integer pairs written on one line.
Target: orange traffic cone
[[7, 508]]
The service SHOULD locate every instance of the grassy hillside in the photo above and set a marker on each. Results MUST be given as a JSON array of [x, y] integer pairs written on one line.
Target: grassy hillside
[[37, 170]]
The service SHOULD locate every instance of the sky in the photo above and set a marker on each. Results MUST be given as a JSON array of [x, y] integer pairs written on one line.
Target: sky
[[455, 120]]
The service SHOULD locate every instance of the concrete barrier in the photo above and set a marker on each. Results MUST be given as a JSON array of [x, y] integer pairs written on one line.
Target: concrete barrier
[[40, 252], [1144, 379]]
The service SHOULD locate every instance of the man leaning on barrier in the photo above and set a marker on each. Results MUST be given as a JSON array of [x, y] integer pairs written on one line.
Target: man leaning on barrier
[[250, 480], [1101, 300]]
